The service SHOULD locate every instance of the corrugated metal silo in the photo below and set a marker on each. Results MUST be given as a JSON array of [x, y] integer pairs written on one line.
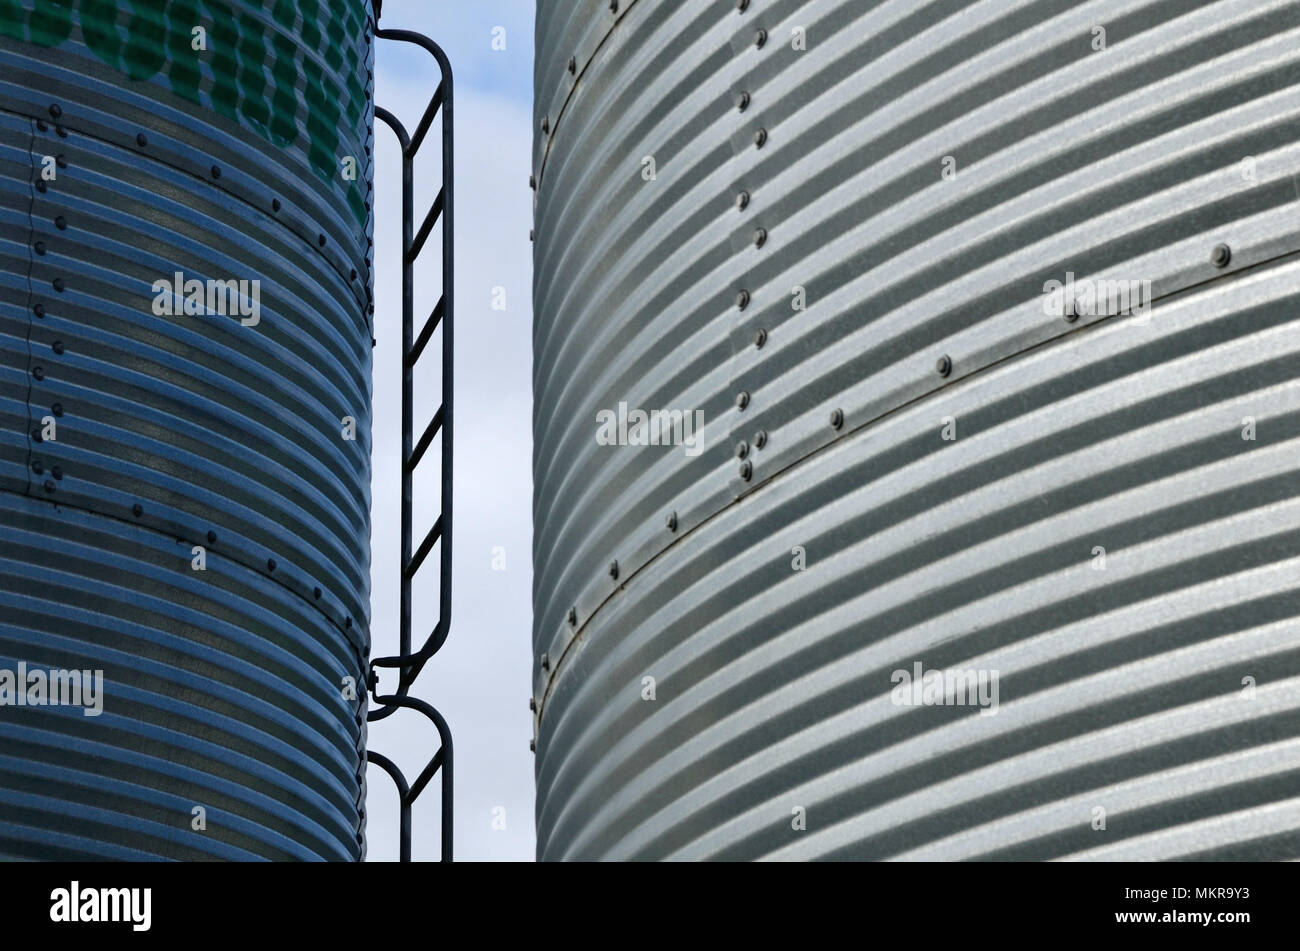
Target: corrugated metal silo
[[991, 309], [184, 497]]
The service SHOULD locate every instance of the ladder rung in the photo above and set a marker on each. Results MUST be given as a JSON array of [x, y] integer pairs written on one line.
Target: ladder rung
[[426, 546], [426, 120], [429, 220], [430, 326], [426, 440]]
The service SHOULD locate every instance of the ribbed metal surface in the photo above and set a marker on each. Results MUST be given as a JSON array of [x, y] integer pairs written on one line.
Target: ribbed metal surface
[[1116, 140], [224, 687]]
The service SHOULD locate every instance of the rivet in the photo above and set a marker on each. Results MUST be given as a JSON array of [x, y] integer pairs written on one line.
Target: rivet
[[57, 347], [546, 124], [41, 186], [212, 538], [573, 66], [38, 468], [531, 235], [573, 617], [760, 237], [1221, 255], [137, 510], [57, 284], [140, 139], [1071, 312], [36, 435], [760, 138], [943, 365], [62, 132], [672, 521], [353, 275], [760, 38], [546, 662], [742, 5], [216, 171], [532, 744], [38, 372], [315, 593], [42, 125], [742, 201], [746, 470], [837, 418], [532, 704], [40, 247], [742, 399], [532, 181], [742, 101], [61, 161], [760, 439], [57, 409], [49, 485], [55, 111], [275, 204], [38, 310], [270, 564], [61, 223], [57, 473], [742, 449], [613, 6], [321, 240], [760, 338], [742, 300], [348, 623], [613, 570]]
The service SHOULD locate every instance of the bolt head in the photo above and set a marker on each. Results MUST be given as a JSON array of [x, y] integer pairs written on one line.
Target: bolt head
[[742, 101], [943, 365], [573, 617], [315, 593], [613, 570], [57, 347], [55, 111], [760, 338], [275, 204], [49, 485], [141, 140], [137, 510], [546, 124], [742, 300], [760, 138], [746, 470], [742, 399], [742, 200], [760, 38], [532, 704], [672, 521], [38, 372], [61, 223], [270, 564], [1071, 312], [38, 468], [212, 538], [1221, 255], [216, 171], [57, 472], [57, 409], [742, 5], [837, 418], [546, 662], [760, 237], [39, 310], [760, 439]]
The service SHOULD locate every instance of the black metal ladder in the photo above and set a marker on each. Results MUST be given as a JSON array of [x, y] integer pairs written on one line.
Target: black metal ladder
[[410, 663]]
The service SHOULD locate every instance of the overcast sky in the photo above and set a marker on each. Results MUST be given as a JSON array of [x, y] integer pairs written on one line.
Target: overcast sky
[[480, 679]]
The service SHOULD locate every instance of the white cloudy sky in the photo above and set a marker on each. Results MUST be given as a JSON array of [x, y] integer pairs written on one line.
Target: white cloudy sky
[[480, 680]]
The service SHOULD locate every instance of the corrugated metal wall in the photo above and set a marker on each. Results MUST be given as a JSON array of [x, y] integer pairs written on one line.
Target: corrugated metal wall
[[833, 227], [138, 140]]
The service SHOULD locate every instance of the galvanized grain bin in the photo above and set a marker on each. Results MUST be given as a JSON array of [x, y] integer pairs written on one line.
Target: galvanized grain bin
[[992, 311], [185, 425]]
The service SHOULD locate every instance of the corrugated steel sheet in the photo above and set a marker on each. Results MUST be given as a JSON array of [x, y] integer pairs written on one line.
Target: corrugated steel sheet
[[224, 688], [1100, 510]]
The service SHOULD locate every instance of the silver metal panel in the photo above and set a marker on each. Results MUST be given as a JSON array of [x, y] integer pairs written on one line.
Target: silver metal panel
[[1128, 154], [224, 687]]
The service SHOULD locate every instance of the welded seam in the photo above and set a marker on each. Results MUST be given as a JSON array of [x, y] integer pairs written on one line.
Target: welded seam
[[861, 429]]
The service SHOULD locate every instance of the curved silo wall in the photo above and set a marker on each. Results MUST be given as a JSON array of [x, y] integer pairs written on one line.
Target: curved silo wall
[[184, 504], [834, 228]]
